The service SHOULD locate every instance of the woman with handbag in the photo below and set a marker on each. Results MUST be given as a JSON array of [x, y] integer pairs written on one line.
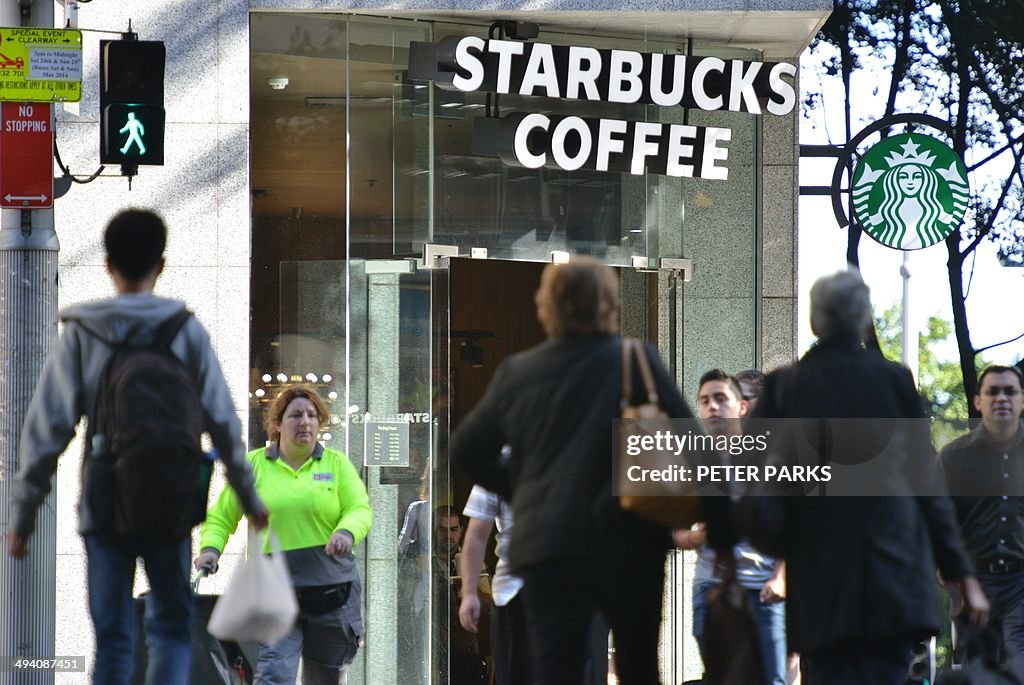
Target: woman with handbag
[[576, 550], [319, 511]]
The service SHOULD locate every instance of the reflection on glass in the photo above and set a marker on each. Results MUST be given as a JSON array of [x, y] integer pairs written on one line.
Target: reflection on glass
[[529, 213], [353, 162]]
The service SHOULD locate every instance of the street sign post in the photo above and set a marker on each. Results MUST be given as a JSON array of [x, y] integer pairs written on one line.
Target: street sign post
[[40, 65], [26, 155]]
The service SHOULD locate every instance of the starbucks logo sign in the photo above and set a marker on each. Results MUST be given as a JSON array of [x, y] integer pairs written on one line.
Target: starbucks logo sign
[[910, 191]]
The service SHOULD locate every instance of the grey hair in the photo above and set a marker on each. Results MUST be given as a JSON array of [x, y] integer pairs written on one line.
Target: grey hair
[[840, 306]]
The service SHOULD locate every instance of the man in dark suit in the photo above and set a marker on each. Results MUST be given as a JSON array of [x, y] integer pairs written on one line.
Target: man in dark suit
[[861, 569]]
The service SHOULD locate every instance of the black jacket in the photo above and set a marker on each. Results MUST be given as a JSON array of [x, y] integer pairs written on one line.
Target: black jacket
[[861, 566], [554, 404]]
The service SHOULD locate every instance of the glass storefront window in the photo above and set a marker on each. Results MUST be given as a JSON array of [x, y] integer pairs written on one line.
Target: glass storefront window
[[355, 167]]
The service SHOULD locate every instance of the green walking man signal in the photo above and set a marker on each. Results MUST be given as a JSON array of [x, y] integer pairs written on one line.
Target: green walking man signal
[[135, 131], [133, 134], [132, 102]]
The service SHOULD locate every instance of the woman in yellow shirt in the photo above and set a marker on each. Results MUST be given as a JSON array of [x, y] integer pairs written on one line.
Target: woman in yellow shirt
[[319, 511]]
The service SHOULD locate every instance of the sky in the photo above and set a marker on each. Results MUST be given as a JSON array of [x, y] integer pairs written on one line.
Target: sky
[[995, 303]]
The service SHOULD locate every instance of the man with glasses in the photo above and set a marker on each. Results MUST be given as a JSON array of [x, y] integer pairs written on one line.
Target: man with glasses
[[985, 474]]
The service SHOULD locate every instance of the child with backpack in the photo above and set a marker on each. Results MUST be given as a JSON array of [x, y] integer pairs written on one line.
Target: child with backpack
[[143, 371]]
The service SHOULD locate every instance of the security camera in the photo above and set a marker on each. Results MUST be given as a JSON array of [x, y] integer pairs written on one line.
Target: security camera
[[278, 82]]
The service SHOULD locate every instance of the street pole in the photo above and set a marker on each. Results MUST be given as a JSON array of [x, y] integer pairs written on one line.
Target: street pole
[[28, 327], [909, 335]]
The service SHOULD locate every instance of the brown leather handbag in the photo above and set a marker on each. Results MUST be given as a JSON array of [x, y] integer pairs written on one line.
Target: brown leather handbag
[[667, 503]]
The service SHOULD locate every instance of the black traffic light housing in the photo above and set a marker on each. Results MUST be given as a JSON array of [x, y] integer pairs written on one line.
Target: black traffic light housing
[[132, 102]]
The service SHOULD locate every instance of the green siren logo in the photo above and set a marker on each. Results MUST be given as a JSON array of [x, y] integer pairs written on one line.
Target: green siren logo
[[910, 191]]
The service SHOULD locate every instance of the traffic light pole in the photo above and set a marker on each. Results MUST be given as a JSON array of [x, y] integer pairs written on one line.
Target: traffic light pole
[[28, 326]]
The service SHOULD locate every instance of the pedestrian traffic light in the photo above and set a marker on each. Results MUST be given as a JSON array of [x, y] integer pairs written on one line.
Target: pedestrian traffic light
[[132, 101]]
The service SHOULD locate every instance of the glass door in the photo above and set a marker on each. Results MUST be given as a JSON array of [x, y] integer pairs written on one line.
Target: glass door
[[397, 429], [397, 349], [654, 309]]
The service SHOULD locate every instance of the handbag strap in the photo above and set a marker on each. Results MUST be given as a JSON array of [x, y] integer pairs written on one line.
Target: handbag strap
[[627, 382], [633, 348]]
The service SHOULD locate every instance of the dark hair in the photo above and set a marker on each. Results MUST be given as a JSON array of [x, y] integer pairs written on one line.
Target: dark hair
[[446, 511], [752, 377], [996, 368], [135, 240], [280, 405], [719, 375]]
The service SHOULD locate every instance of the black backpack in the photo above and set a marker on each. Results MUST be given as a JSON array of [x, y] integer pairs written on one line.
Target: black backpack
[[147, 477]]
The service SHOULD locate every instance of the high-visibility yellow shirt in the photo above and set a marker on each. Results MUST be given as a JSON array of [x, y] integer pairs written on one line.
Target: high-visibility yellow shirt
[[306, 505]]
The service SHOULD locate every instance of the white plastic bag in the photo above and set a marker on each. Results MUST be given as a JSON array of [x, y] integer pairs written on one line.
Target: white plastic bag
[[259, 603]]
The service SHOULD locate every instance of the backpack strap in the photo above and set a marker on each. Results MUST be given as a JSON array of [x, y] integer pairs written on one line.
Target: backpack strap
[[169, 328], [125, 341], [165, 333]]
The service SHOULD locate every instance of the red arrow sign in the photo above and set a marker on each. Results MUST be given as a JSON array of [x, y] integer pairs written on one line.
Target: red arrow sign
[[26, 155]]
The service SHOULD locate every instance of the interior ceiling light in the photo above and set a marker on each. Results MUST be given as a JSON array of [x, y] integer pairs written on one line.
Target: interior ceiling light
[[278, 82]]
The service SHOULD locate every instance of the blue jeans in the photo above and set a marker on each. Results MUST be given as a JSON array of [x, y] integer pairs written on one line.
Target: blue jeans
[[111, 571], [771, 628]]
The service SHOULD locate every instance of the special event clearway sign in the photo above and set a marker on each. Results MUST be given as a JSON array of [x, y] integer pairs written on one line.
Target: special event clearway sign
[[40, 65]]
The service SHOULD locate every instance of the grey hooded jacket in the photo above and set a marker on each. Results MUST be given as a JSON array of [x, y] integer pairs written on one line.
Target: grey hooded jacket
[[67, 391]]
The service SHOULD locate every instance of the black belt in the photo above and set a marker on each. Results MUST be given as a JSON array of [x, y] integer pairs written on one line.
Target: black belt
[[997, 568]]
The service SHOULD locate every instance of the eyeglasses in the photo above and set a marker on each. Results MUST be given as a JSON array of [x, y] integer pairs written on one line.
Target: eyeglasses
[[995, 391]]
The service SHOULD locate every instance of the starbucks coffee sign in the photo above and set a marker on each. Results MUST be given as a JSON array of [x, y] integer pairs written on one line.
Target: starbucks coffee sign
[[569, 72], [910, 191]]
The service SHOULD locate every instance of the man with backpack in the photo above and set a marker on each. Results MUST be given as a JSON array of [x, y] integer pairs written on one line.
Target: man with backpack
[[143, 371]]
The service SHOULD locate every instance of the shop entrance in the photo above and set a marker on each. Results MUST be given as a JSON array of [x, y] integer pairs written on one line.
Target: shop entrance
[[491, 315], [357, 171], [411, 350], [423, 344]]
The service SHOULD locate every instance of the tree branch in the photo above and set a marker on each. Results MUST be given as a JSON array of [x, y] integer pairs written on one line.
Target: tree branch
[[1005, 342], [970, 277], [899, 64], [997, 152], [985, 230]]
